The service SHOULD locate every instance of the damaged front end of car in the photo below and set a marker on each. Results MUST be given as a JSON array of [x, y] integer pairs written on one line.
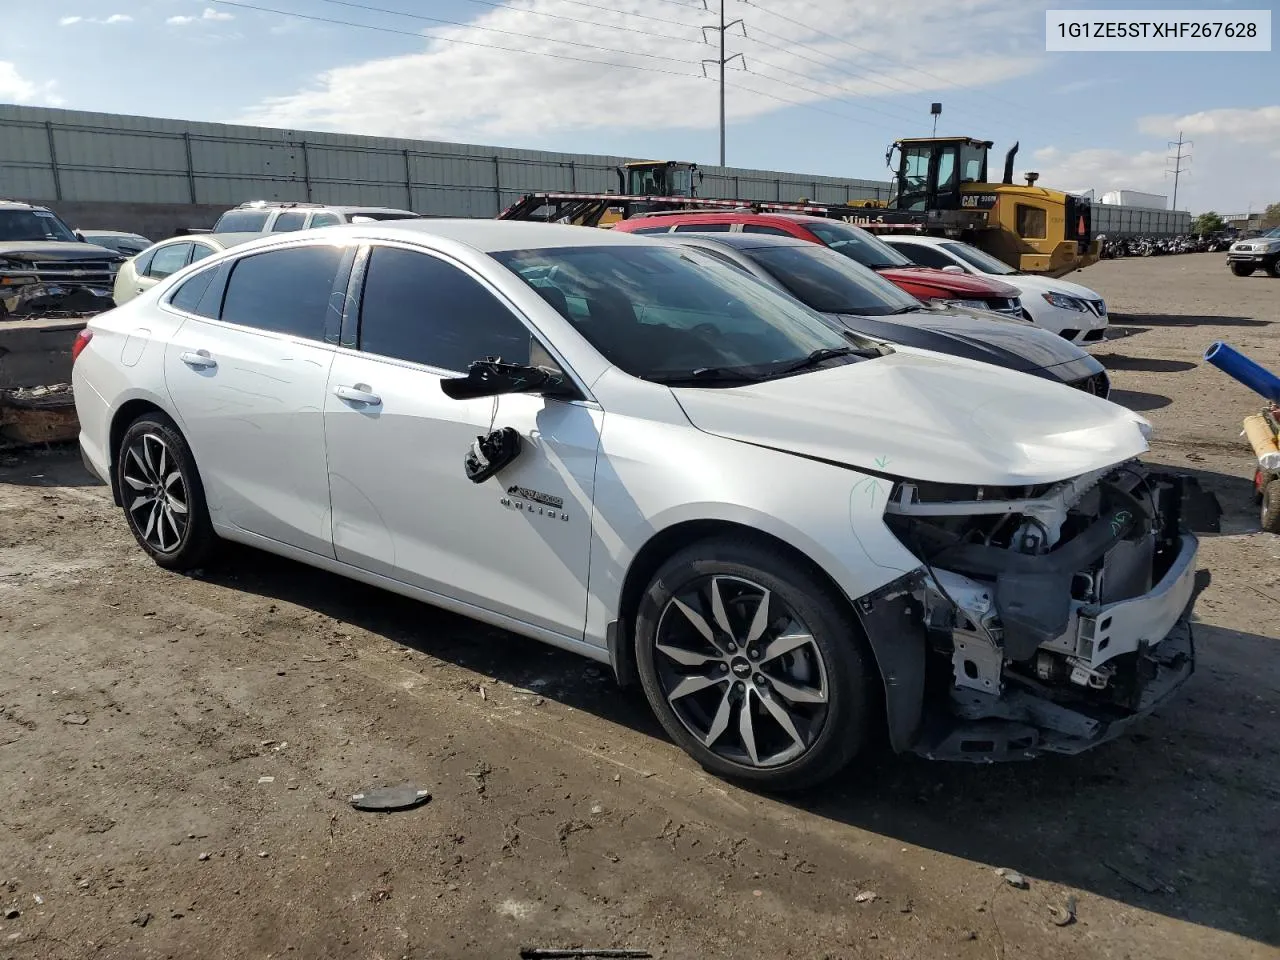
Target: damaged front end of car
[[1047, 618]]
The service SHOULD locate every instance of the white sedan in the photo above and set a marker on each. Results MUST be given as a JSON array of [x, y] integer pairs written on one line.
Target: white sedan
[[163, 259], [791, 536], [1059, 306]]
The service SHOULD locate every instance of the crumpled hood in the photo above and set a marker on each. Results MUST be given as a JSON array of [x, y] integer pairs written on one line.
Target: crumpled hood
[[923, 416], [990, 338], [30, 251], [960, 286]]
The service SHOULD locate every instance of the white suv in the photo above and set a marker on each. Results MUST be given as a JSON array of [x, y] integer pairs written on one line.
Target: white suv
[[271, 216], [791, 535]]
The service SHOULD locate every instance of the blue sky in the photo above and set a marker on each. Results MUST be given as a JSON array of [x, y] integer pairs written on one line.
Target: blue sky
[[856, 73]]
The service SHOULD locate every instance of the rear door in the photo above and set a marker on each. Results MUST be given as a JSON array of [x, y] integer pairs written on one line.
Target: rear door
[[516, 544], [248, 379]]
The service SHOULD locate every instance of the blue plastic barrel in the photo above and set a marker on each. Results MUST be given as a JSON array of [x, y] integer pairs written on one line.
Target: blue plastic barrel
[[1234, 364]]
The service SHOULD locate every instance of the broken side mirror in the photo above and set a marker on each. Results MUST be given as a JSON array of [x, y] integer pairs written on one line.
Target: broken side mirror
[[491, 378]]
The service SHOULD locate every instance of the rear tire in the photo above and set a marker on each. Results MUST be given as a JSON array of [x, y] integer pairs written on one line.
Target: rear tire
[[1270, 514], [161, 493], [1242, 269], [779, 701]]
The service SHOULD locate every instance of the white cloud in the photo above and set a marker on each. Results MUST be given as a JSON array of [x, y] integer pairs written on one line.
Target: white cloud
[[114, 18], [14, 88], [468, 90], [209, 14], [1103, 169], [1258, 125], [1230, 164]]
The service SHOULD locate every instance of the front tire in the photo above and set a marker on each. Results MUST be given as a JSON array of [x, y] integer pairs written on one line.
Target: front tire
[[752, 666], [1273, 268], [1242, 269], [162, 495]]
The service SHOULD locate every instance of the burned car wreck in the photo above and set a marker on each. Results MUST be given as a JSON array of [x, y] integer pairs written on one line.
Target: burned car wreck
[[1048, 618]]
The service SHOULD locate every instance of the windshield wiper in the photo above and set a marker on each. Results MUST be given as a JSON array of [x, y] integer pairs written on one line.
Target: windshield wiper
[[818, 356], [705, 376]]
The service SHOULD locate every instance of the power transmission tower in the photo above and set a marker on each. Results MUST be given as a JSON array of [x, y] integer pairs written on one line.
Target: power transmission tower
[[722, 61], [1177, 159]]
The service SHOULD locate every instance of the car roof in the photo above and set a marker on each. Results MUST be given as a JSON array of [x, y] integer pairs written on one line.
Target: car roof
[[222, 240], [488, 236], [20, 205], [742, 241], [920, 238]]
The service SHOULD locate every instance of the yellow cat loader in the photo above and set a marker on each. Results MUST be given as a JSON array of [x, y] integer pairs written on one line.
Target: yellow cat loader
[[1031, 228]]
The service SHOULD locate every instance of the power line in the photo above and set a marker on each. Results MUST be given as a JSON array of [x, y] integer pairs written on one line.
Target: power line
[[848, 43], [469, 43], [790, 51], [804, 76], [536, 53], [591, 23], [509, 33]]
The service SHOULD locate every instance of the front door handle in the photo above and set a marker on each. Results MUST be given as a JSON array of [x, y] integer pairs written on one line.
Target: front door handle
[[357, 394], [199, 359]]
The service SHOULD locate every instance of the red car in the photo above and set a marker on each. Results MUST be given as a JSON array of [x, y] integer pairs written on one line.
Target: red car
[[924, 283]]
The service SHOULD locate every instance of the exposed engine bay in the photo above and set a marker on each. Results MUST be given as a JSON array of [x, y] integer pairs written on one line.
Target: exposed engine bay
[[1053, 615]]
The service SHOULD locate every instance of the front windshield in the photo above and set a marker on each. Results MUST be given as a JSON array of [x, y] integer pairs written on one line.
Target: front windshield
[[858, 245], [823, 279], [1273, 233], [982, 262], [662, 314], [23, 225]]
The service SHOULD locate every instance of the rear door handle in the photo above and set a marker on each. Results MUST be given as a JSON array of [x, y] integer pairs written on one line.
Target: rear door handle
[[199, 359], [357, 394]]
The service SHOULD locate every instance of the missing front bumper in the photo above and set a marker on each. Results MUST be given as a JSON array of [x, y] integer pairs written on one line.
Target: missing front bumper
[[1020, 725]]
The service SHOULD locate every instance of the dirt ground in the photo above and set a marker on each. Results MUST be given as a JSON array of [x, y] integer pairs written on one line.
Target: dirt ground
[[177, 753]]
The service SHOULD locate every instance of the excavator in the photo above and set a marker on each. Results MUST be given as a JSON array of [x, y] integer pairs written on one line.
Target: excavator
[[941, 186]]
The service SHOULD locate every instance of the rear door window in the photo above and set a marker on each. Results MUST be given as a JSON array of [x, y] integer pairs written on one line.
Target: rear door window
[[325, 219], [284, 291], [764, 228], [168, 260], [714, 227]]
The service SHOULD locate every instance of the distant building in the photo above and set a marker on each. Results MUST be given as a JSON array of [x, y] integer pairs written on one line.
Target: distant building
[[1243, 222], [1136, 198]]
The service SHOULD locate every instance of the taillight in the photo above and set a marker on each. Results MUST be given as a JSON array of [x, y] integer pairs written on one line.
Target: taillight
[[81, 341]]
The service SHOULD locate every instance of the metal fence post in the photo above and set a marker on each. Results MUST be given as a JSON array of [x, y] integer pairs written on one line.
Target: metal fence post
[[191, 168], [306, 170], [573, 178], [408, 180], [53, 161], [497, 183]]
